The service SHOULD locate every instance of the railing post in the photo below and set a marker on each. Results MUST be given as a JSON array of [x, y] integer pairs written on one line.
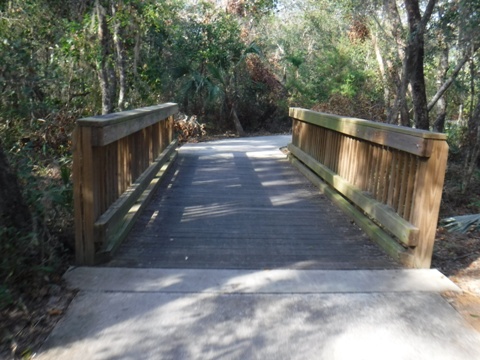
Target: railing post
[[427, 198], [83, 168], [170, 123]]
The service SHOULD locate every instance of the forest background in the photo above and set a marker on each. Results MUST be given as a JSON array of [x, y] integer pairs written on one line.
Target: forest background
[[235, 65]]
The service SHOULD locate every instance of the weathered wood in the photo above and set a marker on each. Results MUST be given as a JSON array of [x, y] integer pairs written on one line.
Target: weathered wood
[[385, 241], [238, 203], [114, 223], [112, 127], [399, 227], [117, 227], [111, 153], [83, 168], [405, 139], [398, 173], [428, 194]]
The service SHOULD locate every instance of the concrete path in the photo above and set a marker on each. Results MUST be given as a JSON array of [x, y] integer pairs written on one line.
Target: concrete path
[[264, 314], [159, 310]]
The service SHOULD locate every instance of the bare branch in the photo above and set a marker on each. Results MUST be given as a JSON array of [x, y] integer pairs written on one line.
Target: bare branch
[[450, 80]]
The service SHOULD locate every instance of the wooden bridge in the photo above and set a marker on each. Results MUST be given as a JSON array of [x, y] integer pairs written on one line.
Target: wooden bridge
[[239, 203]]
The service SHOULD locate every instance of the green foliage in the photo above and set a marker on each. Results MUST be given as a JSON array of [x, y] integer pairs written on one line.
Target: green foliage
[[49, 60], [27, 257], [17, 265], [455, 135], [318, 59], [255, 57]]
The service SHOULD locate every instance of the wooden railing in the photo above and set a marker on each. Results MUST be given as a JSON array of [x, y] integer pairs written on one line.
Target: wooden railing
[[388, 178], [117, 161]]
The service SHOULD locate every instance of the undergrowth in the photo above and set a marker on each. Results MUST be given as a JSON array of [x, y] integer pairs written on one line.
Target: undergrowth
[[39, 153]]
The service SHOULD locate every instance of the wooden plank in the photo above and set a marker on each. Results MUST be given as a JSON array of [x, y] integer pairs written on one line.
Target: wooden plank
[[401, 228], [122, 144], [386, 174], [372, 175], [402, 138], [112, 127], [107, 225], [343, 159], [365, 161], [387, 243], [83, 197], [378, 172], [353, 168], [119, 231], [171, 131], [428, 194], [394, 174], [322, 135], [404, 184], [226, 207], [77, 175], [111, 152], [409, 199]]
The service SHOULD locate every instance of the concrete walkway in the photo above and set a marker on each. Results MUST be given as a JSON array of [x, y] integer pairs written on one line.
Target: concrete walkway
[[312, 304], [264, 314]]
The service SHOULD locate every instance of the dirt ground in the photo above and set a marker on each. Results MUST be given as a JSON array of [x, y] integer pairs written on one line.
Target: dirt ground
[[24, 327], [458, 257]]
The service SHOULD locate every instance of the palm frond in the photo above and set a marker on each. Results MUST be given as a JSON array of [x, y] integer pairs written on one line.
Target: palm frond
[[253, 48], [187, 88], [215, 93], [462, 223], [217, 73]]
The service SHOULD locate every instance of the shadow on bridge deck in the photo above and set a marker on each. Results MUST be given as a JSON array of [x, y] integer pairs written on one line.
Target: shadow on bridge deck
[[239, 204]]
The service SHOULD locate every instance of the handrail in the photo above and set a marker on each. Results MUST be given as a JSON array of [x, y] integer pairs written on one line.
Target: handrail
[[117, 162], [388, 178]]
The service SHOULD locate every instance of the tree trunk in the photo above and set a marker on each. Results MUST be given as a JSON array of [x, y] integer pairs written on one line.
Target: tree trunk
[[412, 67], [441, 90], [14, 213], [473, 150], [136, 52], [236, 122], [404, 114], [414, 61], [439, 123], [395, 25], [381, 68], [400, 97], [106, 73], [397, 74], [120, 52], [473, 134]]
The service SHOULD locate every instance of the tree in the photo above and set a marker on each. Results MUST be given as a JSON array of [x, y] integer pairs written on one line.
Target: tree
[[473, 150], [111, 63], [418, 69], [414, 58]]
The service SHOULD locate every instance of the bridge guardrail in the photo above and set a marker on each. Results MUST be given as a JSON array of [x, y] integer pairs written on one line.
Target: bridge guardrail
[[118, 160], [388, 178]]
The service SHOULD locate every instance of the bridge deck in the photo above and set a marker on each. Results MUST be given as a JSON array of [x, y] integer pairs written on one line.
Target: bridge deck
[[239, 204]]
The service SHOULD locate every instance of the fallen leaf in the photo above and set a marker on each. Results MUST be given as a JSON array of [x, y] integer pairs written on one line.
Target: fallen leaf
[[55, 312]]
